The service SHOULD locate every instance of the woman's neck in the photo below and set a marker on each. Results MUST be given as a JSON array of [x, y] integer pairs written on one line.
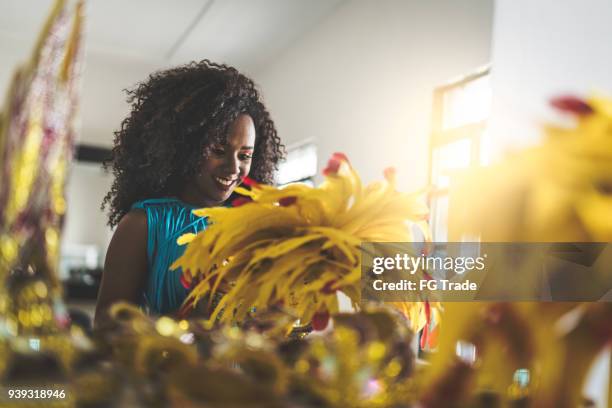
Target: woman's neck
[[191, 198]]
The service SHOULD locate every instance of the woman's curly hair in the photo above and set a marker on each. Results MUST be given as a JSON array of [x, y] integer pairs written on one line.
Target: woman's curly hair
[[176, 114]]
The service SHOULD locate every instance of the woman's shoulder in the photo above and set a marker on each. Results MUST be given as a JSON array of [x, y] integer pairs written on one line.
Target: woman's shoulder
[[132, 223], [167, 216]]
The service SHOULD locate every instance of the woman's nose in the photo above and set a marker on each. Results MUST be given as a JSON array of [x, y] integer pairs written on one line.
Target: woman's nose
[[232, 165]]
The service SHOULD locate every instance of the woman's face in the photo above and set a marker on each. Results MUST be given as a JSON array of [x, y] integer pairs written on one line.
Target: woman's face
[[224, 167]]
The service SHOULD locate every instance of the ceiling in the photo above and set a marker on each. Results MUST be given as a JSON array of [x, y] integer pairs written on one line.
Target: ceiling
[[244, 33], [128, 39]]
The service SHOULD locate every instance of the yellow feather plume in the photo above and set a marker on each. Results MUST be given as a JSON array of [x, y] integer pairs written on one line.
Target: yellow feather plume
[[296, 246]]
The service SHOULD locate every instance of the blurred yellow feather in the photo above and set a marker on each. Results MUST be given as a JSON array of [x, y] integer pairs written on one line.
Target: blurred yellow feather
[[296, 245]]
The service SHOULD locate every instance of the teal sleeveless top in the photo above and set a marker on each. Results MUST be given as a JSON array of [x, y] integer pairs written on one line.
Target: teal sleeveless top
[[167, 219]]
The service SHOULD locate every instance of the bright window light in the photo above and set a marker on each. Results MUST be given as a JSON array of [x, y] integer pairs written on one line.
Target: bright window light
[[469, 103], [449, 157], [300, 165]]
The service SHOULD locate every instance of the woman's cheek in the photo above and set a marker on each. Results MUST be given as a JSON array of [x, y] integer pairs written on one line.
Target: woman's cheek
[[244, 170], [211, 164]]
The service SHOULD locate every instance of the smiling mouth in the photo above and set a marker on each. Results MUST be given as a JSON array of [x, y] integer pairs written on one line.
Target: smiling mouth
[[225, 182]]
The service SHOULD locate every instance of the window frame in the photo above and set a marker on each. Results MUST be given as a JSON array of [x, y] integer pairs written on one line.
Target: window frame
[[441, 137]]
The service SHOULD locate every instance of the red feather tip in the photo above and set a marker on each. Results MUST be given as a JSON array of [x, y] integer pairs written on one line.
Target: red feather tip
[[186, 283], [329, 288], [247, 181], [237, 202], [390, 173], [341, 156], [320, 320], [572, 105], [425, 334], [334, 163], [287, 201]]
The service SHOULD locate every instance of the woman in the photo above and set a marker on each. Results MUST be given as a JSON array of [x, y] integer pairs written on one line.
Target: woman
[[193, 134]]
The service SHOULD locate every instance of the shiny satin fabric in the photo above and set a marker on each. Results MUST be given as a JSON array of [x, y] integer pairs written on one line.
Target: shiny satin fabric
[[167, 220]]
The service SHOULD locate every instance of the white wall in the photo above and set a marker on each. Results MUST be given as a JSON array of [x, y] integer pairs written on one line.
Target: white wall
[[84, 220], [542, 49], [361, 82], [103, 107], [85, 224], [103, 104]]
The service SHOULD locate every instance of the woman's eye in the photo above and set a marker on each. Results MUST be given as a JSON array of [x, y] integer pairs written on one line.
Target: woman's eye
[[246, 156], [218, 151]]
